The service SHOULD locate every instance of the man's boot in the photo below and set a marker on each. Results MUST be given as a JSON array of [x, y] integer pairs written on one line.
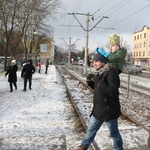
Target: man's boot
[[82, 148]]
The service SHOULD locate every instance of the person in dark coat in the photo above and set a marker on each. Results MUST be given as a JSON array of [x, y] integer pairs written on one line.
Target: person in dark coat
[[27, 72], [12, 75], [46, 66], [24, 62], [106, 105]]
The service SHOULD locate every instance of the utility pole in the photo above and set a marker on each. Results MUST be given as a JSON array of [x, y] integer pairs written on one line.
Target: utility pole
[[87, 34], [69, 52], [69, 48], [86, 47]]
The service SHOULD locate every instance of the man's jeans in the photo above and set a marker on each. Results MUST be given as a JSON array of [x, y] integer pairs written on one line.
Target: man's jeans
[[25, 82], [95, 125]]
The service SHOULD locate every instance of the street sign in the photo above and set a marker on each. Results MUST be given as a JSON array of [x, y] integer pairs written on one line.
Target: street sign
[[43, 47]]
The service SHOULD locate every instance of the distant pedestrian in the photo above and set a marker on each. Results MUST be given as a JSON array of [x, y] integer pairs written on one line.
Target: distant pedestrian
[[27, 72], [24, 62], [12, 75], [39, 66], [46, 65], [13, 59]]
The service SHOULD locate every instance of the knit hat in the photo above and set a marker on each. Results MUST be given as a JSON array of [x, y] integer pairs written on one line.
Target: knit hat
[[100, 57], [115, 39], [13, 61]]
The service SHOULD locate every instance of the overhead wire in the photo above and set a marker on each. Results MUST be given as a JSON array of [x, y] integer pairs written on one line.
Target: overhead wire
[[66, 29], [131, 14], [75, 7], [114, 7], [139, 10], [101, 8], [113, 10]]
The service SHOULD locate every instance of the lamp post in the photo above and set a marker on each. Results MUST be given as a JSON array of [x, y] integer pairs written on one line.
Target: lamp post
[[35, 45]]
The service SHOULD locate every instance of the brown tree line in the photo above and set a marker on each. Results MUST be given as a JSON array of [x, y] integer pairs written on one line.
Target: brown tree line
[[25, 22]]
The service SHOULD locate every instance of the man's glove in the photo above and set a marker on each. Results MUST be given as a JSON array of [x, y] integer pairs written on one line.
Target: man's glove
[[97, 78], [89, 77]]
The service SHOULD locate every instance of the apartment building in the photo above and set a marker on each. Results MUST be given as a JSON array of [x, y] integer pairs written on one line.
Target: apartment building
[[141, 49]]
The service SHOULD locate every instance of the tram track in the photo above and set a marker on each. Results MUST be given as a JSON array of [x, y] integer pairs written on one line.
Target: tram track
[[86, 100], [136, 88]]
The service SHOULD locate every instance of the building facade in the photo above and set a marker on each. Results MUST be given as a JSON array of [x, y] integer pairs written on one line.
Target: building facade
[[49, 53], [43, 49], [141, 49]]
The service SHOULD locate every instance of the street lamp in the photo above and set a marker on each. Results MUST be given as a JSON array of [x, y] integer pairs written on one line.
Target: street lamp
[[35, 45]]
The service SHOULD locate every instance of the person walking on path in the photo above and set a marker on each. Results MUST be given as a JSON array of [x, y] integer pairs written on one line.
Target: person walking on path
[[24, 62], [46, 66], [12, 75], [39, 66], [27, 72], [106, 105]]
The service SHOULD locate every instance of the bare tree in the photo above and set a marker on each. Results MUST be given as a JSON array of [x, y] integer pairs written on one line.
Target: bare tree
[[27, 17]]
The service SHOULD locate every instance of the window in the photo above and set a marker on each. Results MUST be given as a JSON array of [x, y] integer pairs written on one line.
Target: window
[[135, 38], [139, 53], [140, 36], [144, 53], [135, 46], [144, 44], [148, 62], [140, 45], [144, 35]]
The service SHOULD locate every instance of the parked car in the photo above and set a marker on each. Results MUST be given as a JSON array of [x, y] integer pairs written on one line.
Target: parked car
[[80, 62], [133, 69], [138, 68], [62, 63]]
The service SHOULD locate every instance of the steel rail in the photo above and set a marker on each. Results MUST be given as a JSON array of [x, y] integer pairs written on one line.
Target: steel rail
[[94, 143], [124, 114]]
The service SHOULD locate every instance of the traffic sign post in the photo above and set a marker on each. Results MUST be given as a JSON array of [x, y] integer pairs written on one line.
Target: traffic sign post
[[43, 47]]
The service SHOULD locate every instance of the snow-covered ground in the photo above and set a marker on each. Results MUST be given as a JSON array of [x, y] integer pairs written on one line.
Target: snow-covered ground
[[38, 119], [43, 118], [135, 138]]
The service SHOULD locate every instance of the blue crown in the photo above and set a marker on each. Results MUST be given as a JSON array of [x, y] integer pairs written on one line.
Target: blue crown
[[101, 51]]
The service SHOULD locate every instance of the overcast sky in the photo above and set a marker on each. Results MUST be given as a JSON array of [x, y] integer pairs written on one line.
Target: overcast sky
[[125, 17]]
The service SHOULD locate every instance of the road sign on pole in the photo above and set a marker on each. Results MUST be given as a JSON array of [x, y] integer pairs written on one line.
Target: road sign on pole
[[43, 47]]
